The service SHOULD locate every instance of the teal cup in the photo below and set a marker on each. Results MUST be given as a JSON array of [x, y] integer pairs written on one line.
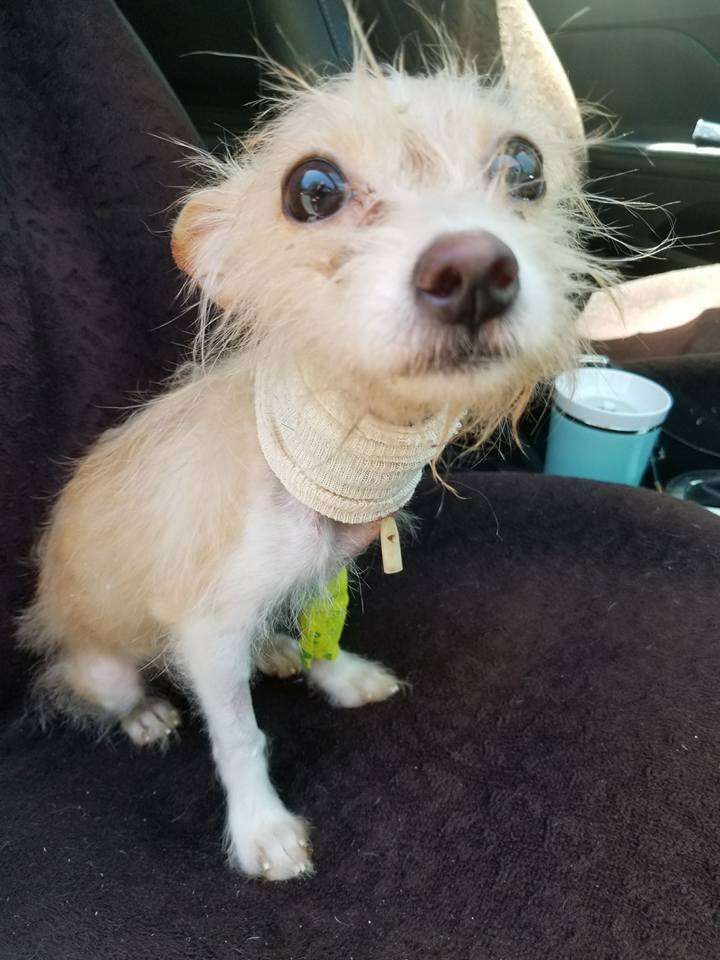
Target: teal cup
[[604, 424]]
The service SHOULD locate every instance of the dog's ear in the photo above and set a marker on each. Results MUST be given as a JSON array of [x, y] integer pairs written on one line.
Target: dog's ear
[[193, 234], [533, 67], [209, 236]]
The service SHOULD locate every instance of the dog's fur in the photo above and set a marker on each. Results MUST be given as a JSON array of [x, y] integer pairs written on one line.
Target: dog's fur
[[173, 539]]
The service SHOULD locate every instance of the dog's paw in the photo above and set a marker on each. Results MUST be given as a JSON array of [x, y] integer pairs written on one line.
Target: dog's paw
[[152, 721], [272, 846], [352, 681], [280, 657]]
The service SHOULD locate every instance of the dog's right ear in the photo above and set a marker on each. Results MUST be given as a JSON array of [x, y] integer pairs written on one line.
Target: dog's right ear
[[186, 235], [199, 238]]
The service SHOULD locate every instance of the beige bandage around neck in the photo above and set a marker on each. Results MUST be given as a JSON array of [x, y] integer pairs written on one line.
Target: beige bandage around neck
[[345, 464]]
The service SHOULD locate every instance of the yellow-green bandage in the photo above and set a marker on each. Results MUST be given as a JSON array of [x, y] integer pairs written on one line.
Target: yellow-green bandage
[[321, 622]]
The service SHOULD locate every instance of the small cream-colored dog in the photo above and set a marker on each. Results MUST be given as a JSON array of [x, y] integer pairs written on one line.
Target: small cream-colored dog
[[389, 254]]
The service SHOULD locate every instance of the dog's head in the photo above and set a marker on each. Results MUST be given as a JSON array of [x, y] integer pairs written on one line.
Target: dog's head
[[415, 236]]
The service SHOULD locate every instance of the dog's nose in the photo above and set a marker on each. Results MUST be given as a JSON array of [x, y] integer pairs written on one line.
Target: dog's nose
[[467, 278]]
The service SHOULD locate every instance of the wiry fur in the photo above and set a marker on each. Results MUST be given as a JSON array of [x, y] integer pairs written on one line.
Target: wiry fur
[[172, 539]]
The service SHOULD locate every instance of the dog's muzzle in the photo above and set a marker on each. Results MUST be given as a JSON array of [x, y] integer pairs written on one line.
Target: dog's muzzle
[[466, 279]]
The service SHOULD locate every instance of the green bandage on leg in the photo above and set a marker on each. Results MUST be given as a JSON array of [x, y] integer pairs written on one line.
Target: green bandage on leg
[[321, 622]]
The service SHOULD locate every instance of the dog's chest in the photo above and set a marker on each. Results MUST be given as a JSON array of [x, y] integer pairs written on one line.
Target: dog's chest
[[319, 546], [289, 549]]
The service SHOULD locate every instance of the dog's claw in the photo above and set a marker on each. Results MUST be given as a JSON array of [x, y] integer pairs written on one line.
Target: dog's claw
[[351, 681], [152, 721], [281, 657]]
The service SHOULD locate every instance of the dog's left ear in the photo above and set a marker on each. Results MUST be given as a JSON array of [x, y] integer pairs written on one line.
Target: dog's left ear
[[533, 67]]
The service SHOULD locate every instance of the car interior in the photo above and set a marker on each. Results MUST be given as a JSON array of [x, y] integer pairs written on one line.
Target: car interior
[[547, 785]]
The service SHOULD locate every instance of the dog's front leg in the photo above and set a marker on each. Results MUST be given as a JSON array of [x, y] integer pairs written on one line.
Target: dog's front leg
[[347, 681], [264, 838]]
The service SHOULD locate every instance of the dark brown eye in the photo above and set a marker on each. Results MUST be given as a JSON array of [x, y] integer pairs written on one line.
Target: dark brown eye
[[314, 190], [520, 166]]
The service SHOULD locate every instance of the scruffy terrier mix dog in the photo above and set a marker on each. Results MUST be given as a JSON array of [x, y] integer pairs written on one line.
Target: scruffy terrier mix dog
[[412, 246]]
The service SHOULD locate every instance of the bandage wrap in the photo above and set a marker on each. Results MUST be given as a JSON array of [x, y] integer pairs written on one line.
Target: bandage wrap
[[346, 465], [321, 622]]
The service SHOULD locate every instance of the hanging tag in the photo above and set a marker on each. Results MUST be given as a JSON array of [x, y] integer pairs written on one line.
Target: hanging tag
[[390, 546]]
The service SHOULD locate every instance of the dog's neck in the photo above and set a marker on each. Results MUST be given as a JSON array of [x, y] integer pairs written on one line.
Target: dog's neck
[[335, 457]]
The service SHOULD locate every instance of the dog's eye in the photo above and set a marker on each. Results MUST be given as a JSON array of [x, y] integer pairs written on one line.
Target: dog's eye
[[314, 190], [520, 165]]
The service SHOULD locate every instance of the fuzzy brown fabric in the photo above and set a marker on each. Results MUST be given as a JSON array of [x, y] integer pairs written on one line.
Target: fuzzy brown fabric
[[547, 788], [699, 337], [89, 291]]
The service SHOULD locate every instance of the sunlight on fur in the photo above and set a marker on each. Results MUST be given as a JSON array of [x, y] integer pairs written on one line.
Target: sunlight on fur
[[173, 540]]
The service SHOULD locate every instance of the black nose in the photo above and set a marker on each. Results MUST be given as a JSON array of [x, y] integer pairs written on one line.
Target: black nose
[[467, 278]]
